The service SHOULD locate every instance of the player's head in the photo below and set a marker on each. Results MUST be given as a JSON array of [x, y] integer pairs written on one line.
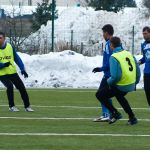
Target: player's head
[[2, 38], [115, 42], [108, 31], [146, 33]]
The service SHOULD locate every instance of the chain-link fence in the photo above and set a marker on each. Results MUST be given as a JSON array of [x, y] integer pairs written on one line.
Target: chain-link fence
[[79, 29], [87, 44]]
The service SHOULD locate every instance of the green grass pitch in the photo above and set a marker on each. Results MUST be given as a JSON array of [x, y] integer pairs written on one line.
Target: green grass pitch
[[63, 121]]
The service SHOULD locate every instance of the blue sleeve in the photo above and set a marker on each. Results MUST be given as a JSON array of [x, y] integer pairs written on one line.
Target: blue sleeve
[[115, 71], [106, 55], [142, 60], [18, 60], [138, 72], [105, 66], [2, 65]]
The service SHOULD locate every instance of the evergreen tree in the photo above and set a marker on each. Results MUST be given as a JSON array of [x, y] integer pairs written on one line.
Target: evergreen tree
[[146, 3], [111, 5], [42, 15]]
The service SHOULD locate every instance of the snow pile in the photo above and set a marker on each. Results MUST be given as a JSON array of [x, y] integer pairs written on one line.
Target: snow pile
[[64, 69], [86, 25]]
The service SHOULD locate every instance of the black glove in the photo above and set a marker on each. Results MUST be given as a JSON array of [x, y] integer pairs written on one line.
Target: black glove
[[24, 74], [7, 64], [97, 69]]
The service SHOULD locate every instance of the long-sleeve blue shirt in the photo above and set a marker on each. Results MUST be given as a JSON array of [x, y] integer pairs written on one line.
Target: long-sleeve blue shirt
[[145, 48], [106, 55], [116, 73], [17, 59]]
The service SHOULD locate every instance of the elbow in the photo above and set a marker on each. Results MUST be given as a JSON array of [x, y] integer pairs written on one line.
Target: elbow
[[111, 81]]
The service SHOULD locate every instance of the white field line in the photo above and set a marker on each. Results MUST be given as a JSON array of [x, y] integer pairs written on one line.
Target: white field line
[[59, 90], [75, 107], [54, 118], [71, 90], [74, 134]]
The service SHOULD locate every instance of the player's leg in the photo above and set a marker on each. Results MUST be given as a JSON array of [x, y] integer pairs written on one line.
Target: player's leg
[[10, 92], [147, 87], [103, 95], [125, 105], [20, 86], [105, 114]]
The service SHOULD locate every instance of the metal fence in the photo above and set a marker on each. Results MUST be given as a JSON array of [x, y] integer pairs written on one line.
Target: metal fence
[[79, 42], [80, 31]]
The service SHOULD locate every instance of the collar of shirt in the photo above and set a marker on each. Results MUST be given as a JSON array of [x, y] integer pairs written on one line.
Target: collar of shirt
[[147, 41], [118, 49], [3, 46]]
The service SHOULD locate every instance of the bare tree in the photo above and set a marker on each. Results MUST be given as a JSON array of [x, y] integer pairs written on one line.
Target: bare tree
[[146, 3], [14, 26]]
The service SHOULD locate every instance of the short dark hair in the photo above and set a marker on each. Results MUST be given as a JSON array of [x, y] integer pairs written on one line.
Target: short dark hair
[[115, 41], [146, 28], [108, 28], [2, 33]]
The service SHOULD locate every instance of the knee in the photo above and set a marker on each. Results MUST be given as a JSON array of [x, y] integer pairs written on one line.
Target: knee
[[98, 96], [20, 87], [146, 88], [10, 87]]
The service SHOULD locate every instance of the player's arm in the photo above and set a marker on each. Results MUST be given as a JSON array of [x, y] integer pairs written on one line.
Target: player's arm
[[138, 72], [142, 60], [105, 66], [18, 60], [115, 71], [20, 64], [3, 65]]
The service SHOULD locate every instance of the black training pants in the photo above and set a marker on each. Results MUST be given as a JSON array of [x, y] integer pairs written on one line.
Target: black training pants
[[104, 94], [147, 87], [9, 81]]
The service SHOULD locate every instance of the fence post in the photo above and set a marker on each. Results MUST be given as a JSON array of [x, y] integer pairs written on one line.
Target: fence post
[[133, 40], [81, 47], [71, 39], [102, 48], [10, 35], [53, 27]]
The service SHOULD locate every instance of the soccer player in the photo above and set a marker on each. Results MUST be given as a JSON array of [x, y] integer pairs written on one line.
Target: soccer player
[[9, 76], [125, 74], [145, 47], [108, 32]]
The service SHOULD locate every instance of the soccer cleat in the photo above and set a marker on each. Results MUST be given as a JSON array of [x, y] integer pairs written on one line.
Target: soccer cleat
[[132, 121], [101, 119], [98, 119], [116, 116], [13, 109], [29, 109]]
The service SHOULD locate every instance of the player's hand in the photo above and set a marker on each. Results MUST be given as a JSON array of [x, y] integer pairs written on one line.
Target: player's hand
[[97, 69], [7, 64], [24, 74]]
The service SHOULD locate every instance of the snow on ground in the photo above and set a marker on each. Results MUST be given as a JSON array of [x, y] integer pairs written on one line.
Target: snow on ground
[[65, 69]]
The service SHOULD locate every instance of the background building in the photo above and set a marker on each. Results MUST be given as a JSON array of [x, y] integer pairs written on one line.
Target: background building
[[34, 2]]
